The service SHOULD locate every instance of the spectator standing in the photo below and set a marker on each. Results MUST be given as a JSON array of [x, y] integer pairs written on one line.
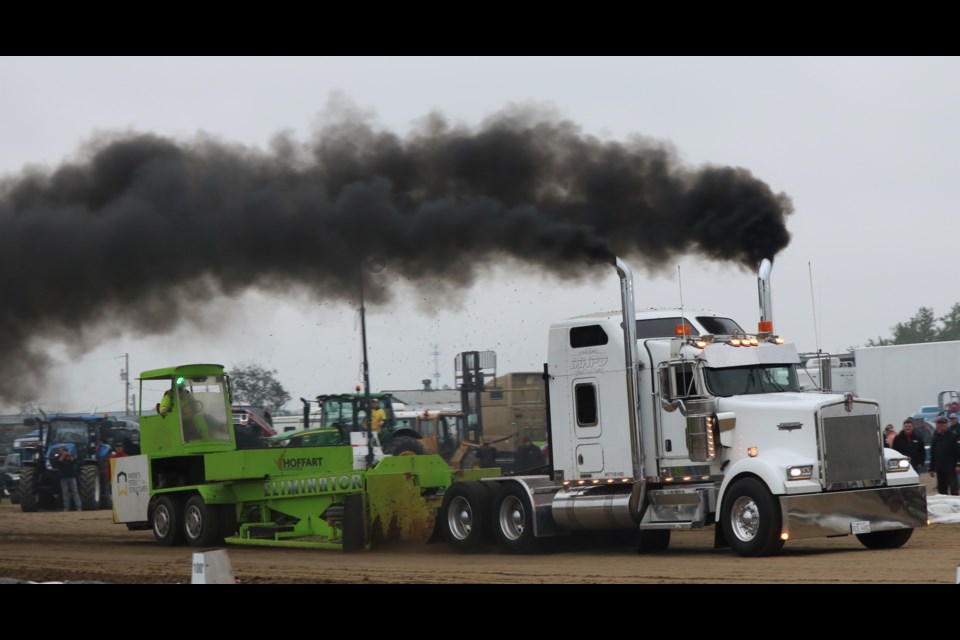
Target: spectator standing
[[888, 435], [119, 451], [923, 430], [527, 456], [954, 427], [907, 443], [945, 459], [487, 455], [66, 464]]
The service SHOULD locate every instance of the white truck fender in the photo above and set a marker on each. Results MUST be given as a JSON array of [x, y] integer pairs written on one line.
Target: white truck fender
[[770, 468]]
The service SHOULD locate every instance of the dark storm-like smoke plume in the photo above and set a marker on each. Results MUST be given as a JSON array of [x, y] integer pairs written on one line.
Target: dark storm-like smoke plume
[[94, 242]]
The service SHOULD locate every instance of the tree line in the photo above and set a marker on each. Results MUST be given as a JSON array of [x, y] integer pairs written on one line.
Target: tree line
[[924, 326]]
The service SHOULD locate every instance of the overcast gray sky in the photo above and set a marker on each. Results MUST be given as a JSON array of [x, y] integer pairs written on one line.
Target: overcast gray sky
[[866, 149]]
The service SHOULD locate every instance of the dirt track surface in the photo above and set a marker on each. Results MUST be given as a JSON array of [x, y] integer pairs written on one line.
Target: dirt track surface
[[87, 546]]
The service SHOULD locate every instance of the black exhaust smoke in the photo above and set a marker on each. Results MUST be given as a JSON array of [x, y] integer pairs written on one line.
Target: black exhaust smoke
[[140, 231]]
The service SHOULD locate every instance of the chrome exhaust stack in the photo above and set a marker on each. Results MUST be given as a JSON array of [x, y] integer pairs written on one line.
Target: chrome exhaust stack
[[631, 358], [763, 287]]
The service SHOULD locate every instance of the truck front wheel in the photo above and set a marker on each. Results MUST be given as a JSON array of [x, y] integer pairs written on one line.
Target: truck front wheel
[[168, 521], [752, 519], [201, 523], [885, 539]]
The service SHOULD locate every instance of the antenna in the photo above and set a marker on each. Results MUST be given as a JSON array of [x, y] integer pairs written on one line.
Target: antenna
[[683, 319], [813, 306]]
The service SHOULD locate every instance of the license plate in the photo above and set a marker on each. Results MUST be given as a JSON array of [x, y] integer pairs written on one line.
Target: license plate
[[860, 526]]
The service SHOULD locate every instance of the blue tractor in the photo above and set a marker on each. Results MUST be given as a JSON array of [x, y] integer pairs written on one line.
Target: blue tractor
[[91, 440]]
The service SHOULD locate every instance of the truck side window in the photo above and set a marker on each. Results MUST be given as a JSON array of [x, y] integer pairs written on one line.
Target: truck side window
[[685, 383], [677, 380], [589, 336], [585, 397]]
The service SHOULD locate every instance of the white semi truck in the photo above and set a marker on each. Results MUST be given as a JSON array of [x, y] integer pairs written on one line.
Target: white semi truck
[[674, 420]]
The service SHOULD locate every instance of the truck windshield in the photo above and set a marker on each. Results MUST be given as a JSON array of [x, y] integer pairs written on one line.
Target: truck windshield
[[754, 379]]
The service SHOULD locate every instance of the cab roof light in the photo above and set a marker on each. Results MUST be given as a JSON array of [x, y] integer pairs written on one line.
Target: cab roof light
[[683, 329]]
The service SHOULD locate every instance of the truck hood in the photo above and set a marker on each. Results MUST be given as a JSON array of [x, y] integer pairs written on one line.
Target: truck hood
[[784, 404]]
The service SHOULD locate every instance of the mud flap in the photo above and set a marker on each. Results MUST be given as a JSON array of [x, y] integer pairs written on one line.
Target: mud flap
[[354, 538], [398, 512]]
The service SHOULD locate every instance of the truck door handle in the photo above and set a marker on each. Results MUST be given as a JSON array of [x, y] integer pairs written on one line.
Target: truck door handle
[[580, 458]]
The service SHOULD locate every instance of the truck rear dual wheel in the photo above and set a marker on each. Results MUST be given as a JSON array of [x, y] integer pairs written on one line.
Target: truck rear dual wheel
[[465, 516], [513, 519], [752, 519], [653, 540]]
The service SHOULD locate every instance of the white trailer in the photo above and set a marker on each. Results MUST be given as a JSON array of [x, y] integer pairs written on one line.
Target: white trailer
[[674, 419], [904, 377]]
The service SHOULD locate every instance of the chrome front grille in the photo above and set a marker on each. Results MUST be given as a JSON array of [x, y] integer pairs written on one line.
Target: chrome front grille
[[850, 451]]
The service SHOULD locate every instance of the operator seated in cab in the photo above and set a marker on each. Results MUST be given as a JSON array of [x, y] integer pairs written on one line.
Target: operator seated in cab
[[192, 421]]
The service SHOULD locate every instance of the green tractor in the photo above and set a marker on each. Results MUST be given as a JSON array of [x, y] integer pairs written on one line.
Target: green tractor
[[193, 485], [347, 412]]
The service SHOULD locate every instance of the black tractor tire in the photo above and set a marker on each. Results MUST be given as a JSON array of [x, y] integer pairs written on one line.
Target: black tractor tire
[[29, 489], [465, 516], [354, 530], [654, 540], [51, 500], [893, 539], [751, 519], [201, 523], [167, 521], [406, 446], [88, 485], [513, 518]]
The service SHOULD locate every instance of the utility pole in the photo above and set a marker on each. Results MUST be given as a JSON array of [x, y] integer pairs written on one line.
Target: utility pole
[[126, 395], [373, 265], [125, 378], [436, 366]]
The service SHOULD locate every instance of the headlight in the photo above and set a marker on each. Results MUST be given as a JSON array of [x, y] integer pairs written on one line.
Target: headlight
[[898, 464], [801, 472]]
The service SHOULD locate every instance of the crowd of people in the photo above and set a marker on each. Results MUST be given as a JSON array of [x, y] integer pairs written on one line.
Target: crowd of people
[[66, 463], [944, 442]]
